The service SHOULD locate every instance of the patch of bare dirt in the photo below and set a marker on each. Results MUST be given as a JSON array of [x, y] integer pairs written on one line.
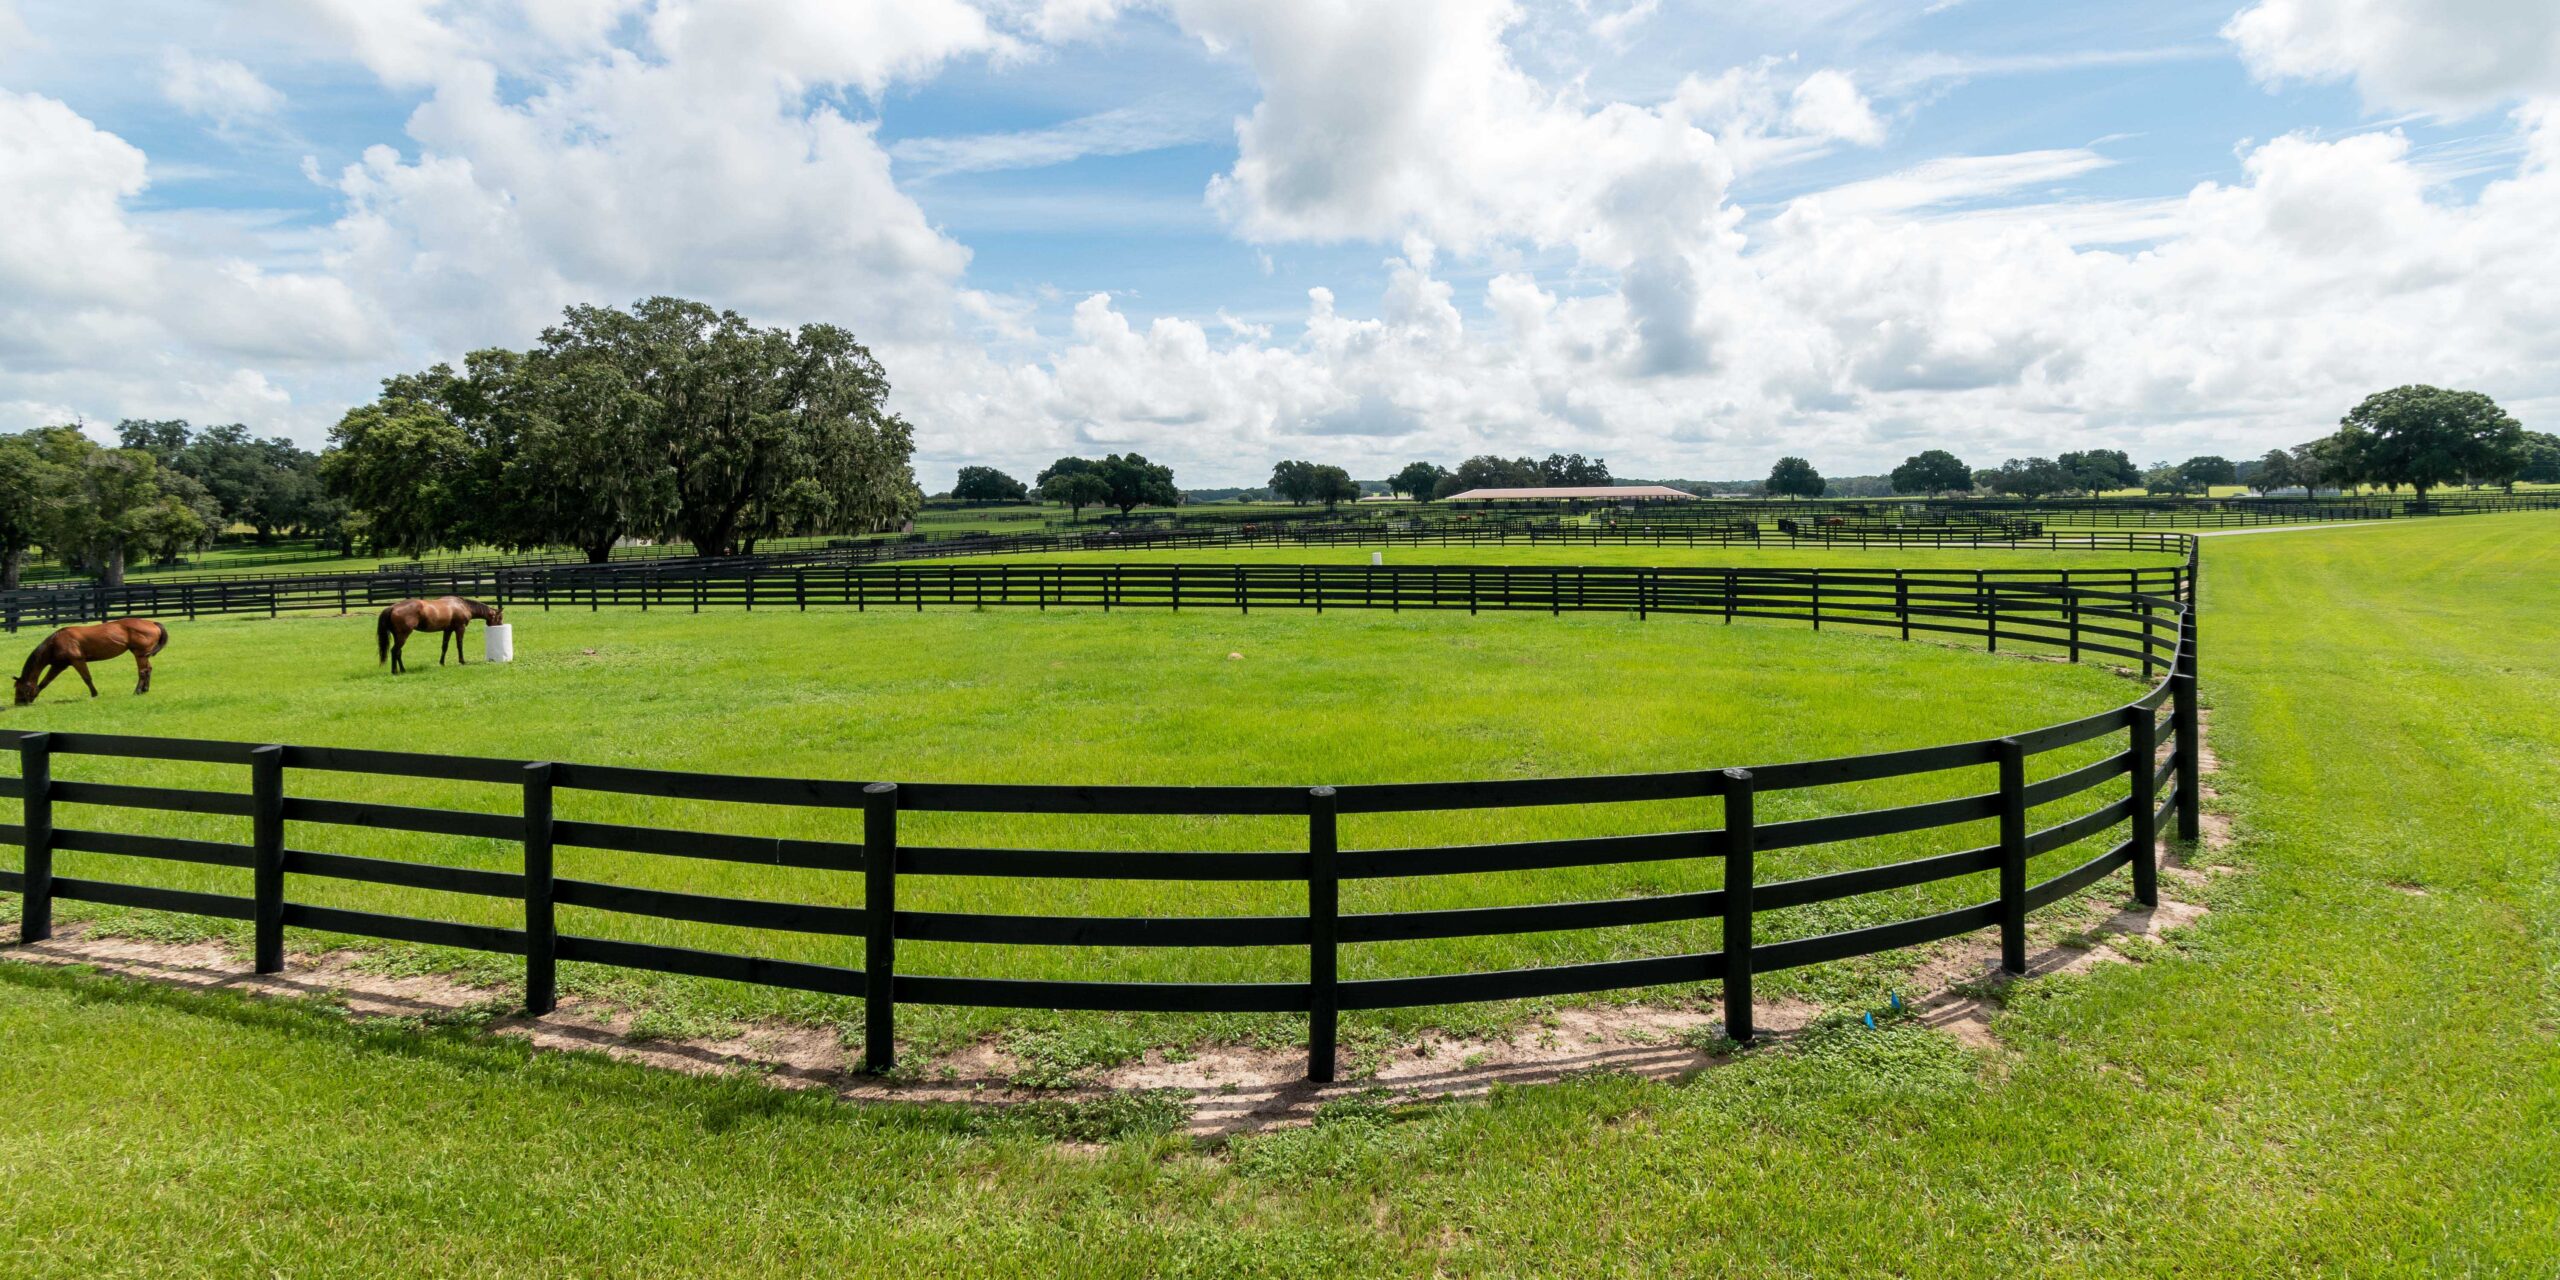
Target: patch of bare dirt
[[1964, 979]]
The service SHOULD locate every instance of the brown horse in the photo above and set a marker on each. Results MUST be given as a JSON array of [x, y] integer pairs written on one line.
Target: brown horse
[[77, 647], [451, 615]]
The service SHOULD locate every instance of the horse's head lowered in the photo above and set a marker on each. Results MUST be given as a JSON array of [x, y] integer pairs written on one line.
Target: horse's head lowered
[[26, 689], [497, 615]]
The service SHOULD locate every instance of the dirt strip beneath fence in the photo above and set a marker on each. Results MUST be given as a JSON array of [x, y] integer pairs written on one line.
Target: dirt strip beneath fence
[[1226, 1089]]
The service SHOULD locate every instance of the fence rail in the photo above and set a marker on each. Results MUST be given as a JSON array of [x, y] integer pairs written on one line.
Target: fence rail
[[2094, 614], [861, 577]]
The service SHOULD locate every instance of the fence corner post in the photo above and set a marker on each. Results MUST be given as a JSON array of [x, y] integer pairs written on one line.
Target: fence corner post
[[1739, 841], [35, 900], [2144, 747], [1324, 913], [2012, 759], [541, 924], [880, 934], [266, 854]]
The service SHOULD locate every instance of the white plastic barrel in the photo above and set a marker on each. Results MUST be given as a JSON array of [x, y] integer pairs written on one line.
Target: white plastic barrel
[[501, 643], [1377, 558]]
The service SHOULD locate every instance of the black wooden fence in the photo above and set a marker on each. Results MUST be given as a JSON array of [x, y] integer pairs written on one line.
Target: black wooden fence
[[2093, 621], [862, 579]]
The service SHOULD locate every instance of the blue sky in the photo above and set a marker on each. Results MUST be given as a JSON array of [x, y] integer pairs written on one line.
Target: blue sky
[[1686, 236]]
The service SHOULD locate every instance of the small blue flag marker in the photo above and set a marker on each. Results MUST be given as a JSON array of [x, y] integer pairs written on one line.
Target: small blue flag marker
[[1871, 1022], [1897, 1002]]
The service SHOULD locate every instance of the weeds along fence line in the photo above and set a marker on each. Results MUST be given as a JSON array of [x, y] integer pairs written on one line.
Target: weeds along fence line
[[862, 581], [2121, 791]]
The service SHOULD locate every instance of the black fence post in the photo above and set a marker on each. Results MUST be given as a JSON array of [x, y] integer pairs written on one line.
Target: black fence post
[[1324, 911], [880, 940], [1902, 602], [1738, 873], [35, 895], [266, 854], [2190, 760], [2145, 749], [541, 925], [2013, 855]]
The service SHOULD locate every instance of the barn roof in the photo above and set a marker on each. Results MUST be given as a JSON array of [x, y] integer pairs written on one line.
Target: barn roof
[[1605, 492]]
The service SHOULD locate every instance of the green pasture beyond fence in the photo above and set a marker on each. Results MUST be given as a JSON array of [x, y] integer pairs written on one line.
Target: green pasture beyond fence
[[861, 575], [2133, 616]]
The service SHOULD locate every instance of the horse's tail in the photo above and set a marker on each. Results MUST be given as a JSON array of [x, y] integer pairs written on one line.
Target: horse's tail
[[382, 638], [164, 641]]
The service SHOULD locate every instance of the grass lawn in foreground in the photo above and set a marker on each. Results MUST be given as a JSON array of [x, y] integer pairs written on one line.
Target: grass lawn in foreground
[[2351, 1067], [1079, 696]]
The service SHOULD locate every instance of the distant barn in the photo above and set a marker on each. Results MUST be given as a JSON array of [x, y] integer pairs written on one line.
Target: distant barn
[[1577, 493]]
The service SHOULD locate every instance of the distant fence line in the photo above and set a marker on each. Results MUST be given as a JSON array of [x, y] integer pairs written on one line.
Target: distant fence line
[[861, 576], [2137, 625], [2128, 513]]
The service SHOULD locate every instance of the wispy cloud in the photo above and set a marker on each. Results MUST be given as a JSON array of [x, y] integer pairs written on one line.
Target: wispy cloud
[[1955, 179], [1146, 126], [1930, 68], [218, 90], [2088, 223]]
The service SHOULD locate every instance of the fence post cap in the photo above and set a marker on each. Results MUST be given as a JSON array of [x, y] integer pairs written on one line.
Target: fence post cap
[[268, 749], [1738, 775], [880, 788], [1321, 793]]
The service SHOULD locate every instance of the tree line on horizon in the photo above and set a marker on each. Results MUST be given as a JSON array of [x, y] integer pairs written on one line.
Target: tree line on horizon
[[671, 420], [2420, 437], [164, 491]]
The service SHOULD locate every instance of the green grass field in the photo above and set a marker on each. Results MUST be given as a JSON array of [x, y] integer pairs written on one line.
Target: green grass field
[[1079, 696], [2351, 1067]]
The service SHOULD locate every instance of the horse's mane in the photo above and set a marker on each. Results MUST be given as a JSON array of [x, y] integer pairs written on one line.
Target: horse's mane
[[43, 649]]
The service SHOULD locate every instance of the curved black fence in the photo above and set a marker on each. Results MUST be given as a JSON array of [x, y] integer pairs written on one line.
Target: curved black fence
[[869, 574], [2121, 790]]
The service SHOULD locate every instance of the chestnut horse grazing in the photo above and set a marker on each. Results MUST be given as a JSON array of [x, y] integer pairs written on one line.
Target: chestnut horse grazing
[[451, 615], [77, 647]]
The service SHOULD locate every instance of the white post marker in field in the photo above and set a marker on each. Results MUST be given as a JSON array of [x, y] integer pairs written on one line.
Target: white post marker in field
[[1377, 558], [501, 643]]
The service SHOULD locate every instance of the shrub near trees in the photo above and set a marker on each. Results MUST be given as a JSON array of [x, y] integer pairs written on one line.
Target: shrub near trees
[[1794, 478], [271, 485], [1124, 480], [2426, 437], [2031, 478], [986, 484], [2279, 469], [96, 507], [2097, 471], [1418, 480], [667, 420], [1492, 471], [1300, 483], [1932, 471], [2541, 458]]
